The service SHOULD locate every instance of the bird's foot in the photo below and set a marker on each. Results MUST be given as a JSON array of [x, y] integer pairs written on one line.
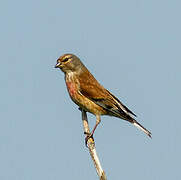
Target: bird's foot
[[89, 135]]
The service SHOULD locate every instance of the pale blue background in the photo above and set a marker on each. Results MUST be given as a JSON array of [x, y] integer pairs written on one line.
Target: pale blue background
[[133, 47]]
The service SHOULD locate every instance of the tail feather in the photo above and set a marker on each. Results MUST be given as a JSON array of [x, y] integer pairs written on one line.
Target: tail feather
[[139, 126]]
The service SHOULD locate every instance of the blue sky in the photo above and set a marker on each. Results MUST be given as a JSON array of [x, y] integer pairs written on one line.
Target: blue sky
[[131, 47]]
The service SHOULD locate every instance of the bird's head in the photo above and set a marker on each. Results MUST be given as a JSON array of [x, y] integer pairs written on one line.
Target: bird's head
[[69, 63]]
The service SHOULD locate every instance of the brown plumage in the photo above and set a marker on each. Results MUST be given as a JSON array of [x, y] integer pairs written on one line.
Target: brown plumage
[[89, 95]]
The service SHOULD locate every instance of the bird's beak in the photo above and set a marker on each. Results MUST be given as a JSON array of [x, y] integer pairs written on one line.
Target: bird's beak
[[57, 65]]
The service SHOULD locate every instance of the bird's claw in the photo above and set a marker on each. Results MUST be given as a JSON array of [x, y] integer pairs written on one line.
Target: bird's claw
[[89, 135]]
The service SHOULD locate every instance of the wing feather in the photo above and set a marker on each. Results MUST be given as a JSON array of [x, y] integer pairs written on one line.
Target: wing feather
[[90, 88]]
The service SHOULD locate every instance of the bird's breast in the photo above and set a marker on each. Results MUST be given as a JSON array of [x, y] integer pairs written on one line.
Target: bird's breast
[[71, 88], [71, 84]]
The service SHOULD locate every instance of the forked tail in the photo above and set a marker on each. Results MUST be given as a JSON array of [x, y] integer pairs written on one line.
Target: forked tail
[[139, 126]]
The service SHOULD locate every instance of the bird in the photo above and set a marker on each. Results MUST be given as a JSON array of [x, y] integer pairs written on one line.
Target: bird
[[90, 95]]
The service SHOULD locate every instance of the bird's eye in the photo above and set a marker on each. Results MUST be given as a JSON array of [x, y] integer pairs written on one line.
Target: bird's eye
[[66, 59]]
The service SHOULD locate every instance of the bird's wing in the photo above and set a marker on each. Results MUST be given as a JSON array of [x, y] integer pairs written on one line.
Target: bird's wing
[[102, 97]]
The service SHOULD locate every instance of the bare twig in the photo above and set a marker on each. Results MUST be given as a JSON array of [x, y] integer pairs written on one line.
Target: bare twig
[[92, 149]]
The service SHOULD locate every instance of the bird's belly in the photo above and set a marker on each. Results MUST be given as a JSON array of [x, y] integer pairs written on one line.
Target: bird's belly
[[89, 105]]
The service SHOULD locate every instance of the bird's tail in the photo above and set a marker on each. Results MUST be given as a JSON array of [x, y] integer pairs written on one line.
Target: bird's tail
[[139, 126]]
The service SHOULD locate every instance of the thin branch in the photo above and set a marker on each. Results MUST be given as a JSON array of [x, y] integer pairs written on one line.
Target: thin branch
[[92, 149]]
